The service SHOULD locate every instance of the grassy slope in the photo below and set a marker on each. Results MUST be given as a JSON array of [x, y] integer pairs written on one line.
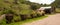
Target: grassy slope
[[28, 20]]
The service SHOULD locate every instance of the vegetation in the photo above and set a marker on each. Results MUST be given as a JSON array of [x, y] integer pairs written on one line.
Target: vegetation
[[57, 10], [22, 10], [22, 22]]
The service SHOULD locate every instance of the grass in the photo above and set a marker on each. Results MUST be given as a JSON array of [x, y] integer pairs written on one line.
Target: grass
[[27, 20], [3, 22], [58, 10]]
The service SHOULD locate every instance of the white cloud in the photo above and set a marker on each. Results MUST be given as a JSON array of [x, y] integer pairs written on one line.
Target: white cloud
[[43, 1]]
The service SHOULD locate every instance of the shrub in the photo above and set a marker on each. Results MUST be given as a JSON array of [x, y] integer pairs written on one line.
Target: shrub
[[40, 13], [8, 11], [16, 18], [3, 22], [33, 14], [25, 16]]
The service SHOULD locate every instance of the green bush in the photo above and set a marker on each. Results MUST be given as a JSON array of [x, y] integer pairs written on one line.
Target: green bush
[[33, 14], [40, 13], [8, 11], [3, 22], [16, 18]]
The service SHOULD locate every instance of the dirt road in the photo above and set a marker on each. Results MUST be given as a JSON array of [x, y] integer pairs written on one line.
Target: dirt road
[[50, 20]]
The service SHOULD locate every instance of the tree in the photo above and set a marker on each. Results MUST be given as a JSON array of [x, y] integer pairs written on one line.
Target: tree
[[56, 3]]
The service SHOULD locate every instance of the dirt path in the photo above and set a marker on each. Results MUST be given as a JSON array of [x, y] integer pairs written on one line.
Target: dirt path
[[50, 20]]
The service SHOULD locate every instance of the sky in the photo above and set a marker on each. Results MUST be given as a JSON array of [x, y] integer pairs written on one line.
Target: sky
[[42, 1]]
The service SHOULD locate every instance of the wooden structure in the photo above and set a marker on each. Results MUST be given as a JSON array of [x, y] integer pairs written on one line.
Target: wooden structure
[[9, 18], [47, 10]]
